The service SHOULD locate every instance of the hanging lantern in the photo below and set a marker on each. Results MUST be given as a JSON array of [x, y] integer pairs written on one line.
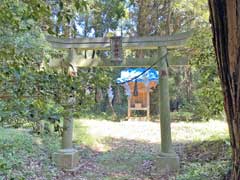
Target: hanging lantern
[[135, 91], [116, 48]]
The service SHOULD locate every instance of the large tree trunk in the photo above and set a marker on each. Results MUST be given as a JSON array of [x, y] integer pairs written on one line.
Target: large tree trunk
[[225, 19]]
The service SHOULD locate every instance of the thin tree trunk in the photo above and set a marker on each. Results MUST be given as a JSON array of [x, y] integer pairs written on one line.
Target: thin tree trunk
[[85, 33], [168, 23], [224, 16]]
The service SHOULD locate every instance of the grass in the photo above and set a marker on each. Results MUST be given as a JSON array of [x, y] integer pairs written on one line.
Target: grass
[[81, 136], [212, 170], [182, 116], [118, 151], [199, 131], [25, 156]]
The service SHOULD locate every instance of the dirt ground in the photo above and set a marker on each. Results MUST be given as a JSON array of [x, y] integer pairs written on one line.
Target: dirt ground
[[126, 150]]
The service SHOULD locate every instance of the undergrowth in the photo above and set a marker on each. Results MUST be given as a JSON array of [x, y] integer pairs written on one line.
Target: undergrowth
[[26, 156]]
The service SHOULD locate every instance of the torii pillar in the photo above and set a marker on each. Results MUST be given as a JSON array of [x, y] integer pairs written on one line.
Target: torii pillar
[[167, 160], [67, 157]]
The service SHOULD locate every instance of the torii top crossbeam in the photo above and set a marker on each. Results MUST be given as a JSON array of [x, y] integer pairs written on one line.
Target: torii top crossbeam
[[152, 42]]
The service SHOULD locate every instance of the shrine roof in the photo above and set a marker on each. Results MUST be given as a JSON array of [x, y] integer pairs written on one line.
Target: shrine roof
[[138, 74]]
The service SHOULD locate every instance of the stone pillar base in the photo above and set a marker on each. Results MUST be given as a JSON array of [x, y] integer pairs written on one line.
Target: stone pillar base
[[66, 159], [165, 163]]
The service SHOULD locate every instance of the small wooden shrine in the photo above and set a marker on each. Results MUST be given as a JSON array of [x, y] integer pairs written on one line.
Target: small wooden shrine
[[138, 84]]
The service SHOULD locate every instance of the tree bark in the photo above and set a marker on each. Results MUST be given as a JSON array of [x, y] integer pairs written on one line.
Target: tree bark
[[224, 16]]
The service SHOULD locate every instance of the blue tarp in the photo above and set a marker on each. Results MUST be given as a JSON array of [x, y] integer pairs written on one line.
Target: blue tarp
[[130, 73]]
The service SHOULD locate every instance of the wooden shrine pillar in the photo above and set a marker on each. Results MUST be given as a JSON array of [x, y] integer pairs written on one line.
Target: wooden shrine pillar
[[166, 139]]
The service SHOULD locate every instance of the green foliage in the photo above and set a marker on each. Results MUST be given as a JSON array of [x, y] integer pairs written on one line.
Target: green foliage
[[208, 99], [214, 170], [20, 33], [34, 96], [101, 16], [13, 143], [197, 86], [193, 12], [66, 12], [20, 15], [23, 156], [27, 92], [106, 15]]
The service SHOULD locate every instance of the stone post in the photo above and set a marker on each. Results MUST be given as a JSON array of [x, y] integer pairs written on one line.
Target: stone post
[[166, 139], [167, 160], [67, 133], [67, 157]]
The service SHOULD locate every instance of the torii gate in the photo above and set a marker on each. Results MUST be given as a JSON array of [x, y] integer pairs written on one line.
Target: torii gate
[[167, 159]]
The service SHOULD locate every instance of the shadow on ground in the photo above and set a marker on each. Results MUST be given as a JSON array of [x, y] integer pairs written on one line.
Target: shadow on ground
[[133, 160]]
